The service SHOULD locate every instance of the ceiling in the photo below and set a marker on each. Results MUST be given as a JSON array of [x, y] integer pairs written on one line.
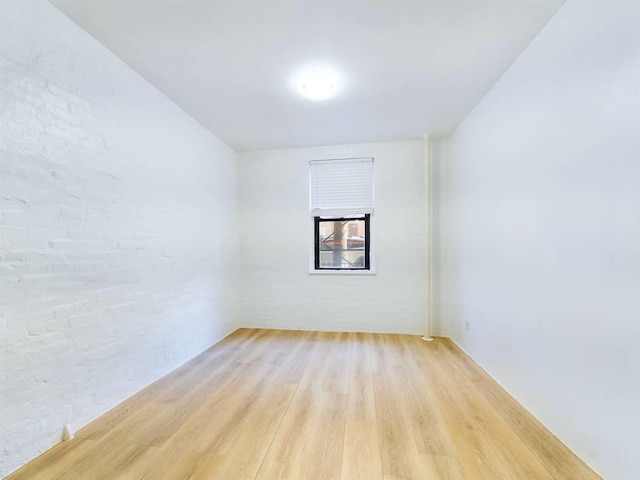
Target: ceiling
[[407, 67]]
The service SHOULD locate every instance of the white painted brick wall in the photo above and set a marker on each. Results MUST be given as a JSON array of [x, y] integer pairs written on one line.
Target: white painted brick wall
[[117, 218], [277, 290]]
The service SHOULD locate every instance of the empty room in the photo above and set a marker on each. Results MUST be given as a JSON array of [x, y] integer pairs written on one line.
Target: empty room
[[313, 240]]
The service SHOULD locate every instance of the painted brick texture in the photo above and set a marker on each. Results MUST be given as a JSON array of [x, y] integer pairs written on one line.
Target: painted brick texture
[[117, 231], [276, 289]]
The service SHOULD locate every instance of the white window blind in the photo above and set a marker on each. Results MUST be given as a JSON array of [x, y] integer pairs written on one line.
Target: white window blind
[[341, 187]]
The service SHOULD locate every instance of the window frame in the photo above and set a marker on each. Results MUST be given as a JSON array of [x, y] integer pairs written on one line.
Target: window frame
[[367, 268]]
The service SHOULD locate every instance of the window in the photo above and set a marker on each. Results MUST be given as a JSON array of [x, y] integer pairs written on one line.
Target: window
[[345, 247], [341, 203]]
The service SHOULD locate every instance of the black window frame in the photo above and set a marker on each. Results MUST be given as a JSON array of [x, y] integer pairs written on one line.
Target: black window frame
[[367, 242]]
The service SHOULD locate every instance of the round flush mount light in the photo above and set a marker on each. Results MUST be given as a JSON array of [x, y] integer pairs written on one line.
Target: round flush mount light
[[318, 84]]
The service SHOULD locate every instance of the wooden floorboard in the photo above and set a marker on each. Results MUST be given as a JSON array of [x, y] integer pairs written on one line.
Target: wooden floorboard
[[272, 404]]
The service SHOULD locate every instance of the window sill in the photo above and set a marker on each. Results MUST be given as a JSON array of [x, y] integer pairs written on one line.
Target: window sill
[[342, 272]]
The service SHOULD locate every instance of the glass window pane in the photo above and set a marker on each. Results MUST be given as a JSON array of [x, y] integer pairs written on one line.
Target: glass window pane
[[342, 244]]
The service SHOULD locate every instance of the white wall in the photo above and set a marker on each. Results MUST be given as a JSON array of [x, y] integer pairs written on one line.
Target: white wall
[[118, 226], [539, 232], [277, 290]]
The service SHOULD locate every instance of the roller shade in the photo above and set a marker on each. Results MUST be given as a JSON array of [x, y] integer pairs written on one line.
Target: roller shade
[[341, 187]]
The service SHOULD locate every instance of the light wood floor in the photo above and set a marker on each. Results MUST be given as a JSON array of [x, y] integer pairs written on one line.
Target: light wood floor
[[267, 404]]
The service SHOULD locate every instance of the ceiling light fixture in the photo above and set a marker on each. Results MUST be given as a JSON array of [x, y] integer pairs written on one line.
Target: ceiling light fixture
[[318, 85]]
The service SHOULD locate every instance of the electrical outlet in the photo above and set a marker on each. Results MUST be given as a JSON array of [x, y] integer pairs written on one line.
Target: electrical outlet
[[466, 325]]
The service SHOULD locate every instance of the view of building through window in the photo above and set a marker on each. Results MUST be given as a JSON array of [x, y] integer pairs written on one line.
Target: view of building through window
[[342, 244]]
